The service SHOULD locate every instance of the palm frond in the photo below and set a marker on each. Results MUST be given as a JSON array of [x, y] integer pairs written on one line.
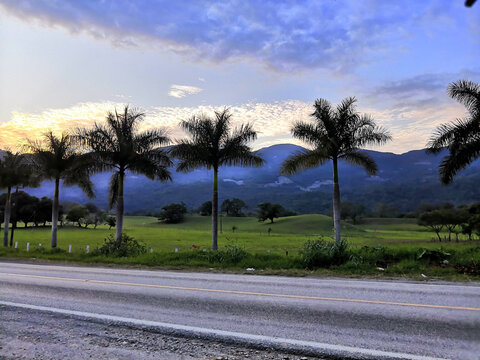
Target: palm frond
[[454, 134], [360, 158], [369, 134], [467, 93], [310, 133], [240, 156], [458, 160], [304, 160], [154, 165]]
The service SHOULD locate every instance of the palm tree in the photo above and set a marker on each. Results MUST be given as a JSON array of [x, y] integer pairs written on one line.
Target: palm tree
[[118, 146], [57, 158], [14, 172], [335, 134], [213, 145], [462, 137]]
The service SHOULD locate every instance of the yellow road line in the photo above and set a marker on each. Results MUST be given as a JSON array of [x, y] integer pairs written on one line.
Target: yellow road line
[[379, 302]]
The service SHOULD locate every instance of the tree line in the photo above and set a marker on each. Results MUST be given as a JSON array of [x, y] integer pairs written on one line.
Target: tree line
[[335, 133], [445, 217]]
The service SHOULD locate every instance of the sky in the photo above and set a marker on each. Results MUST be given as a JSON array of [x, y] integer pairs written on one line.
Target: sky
[[65, 64]]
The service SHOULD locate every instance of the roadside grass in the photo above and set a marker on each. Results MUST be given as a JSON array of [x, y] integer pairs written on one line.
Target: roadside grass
[[377, 248]]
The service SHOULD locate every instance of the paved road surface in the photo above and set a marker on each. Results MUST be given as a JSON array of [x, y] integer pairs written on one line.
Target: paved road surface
[[354, 318]]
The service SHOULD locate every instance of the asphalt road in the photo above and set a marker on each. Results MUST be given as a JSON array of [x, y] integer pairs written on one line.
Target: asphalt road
[[346, 318]]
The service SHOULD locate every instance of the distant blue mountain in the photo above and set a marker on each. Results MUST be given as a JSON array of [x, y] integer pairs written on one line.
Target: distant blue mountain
[[403, 180]]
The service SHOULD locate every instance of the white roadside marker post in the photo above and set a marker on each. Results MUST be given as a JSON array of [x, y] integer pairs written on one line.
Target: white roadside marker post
[[151, 250], [88, 249], [176, 249], [69, 249], [39, 245], [16, 244], [28, 246]]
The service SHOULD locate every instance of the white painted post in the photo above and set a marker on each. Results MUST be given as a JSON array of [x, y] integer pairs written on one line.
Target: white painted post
[[69, 249], [16, 244], [39, 245], [176, 249], [151, 250], [88, 249], [28, 246]]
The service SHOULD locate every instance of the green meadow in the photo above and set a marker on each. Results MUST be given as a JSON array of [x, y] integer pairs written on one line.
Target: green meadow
[[286, 234], [385, 248]]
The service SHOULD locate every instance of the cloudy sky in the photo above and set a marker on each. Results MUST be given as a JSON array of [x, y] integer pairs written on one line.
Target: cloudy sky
[[65, 63]]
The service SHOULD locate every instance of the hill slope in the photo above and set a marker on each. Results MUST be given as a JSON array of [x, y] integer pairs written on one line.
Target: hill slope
[[403, 180]]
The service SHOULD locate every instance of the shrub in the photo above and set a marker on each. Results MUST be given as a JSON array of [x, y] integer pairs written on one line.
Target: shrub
[[128, 246], [231, 254], [322, 253], [173, 213]]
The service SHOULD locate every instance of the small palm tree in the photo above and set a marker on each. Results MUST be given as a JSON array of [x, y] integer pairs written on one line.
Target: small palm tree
[[57, 158], [213, 145], [336, 134], [14, 172], [462, 137], [118, 146]]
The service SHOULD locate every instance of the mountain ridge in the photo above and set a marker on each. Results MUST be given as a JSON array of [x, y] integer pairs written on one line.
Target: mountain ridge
[[403, 180]]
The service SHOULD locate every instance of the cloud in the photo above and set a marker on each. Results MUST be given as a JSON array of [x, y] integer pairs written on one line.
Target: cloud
[[281, 180], [180, 91], [411, 124], [424, 85], [316, 185], [287, 35], [237, 182]]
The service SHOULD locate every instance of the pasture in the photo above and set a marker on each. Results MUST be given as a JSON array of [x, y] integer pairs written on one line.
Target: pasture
[[286, 234]]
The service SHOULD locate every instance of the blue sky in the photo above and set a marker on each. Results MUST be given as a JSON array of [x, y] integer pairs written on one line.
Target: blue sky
[[65, 63]]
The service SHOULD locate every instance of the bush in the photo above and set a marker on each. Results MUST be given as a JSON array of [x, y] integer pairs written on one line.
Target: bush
[[173, 213], [232, 255], [128, 246], [322, 253]]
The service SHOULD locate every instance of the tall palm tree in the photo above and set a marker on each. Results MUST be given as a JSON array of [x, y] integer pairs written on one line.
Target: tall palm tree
[[212, 144], [462, 137], [14, 172], [57, 158], [336, 133], [119, 146]]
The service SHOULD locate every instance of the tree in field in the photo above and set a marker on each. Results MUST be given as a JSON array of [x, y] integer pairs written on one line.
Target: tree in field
[[77, 214], [43, 212], [111, 221], [462, 137], [269, 211], [95, 217], [212, 144], [433, 220], [205, 209], [353, 211], [118, 146], [336, 133], [173, 213], [57, 158], [14, 172], [26, 207], [233, 207]]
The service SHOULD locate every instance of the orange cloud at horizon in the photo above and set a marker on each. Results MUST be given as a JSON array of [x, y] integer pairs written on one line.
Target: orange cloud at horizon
[[410, 127]]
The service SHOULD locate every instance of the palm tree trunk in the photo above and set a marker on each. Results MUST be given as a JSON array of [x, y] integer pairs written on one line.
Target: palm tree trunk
[[336, 201], [8, 211], [14, 217], [215, 210], [120, 208], [55, 213]]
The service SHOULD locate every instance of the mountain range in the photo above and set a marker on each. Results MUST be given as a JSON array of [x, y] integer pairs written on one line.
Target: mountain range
[[403, 181]]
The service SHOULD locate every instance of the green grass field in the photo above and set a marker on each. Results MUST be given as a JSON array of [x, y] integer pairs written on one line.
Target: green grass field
[[287, 234], [393, 242]]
